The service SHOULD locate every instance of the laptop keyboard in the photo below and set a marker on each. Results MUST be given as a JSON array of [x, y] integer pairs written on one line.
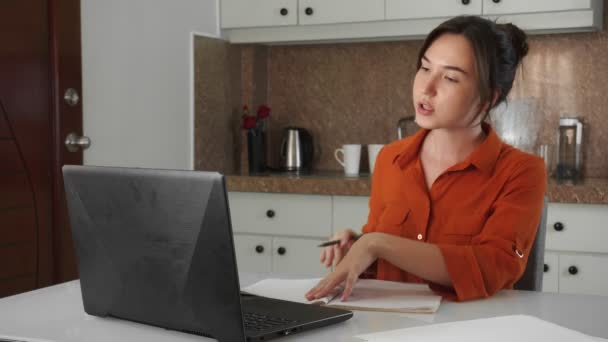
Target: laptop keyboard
[[259, 322]]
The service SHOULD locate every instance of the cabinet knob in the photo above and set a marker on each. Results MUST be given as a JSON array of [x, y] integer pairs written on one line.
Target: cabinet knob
[[546, 268], [466, 2], [281, 250], [495, 1], [558, 226], [270, 213], [284, 11], [308, 11], [259, 249], [573, 270]]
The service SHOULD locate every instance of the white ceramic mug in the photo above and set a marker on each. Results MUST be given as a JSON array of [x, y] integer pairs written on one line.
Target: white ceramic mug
[[351, 155], [373, 150]]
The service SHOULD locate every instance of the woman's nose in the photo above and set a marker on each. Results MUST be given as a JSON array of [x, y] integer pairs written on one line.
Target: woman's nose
[[429, 86]]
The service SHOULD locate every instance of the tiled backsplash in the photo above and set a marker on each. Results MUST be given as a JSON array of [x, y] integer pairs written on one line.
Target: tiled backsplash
[[355, 93]]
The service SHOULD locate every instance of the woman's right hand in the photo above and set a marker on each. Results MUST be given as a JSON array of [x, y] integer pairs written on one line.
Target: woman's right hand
[[332, 255]]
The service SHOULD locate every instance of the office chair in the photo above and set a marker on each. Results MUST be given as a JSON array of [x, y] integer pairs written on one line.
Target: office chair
[[532, 279]]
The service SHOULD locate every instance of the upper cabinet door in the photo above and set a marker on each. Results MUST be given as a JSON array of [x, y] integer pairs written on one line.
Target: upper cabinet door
[[258, 13], [491, 7], [340, 11], [409, 9]]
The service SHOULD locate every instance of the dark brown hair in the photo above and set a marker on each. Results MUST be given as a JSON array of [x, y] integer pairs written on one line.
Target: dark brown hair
[[498, 49]]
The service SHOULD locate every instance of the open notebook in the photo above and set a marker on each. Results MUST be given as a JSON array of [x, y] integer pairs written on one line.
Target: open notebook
[[368, 294]]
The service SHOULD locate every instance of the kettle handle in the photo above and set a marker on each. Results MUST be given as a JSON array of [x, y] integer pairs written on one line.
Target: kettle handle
[[283, 147]]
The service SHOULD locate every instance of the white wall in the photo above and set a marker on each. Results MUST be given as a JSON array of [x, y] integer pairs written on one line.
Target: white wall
[[137, 79]]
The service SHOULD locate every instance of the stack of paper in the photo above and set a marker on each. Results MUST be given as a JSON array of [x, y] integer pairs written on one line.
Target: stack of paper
[[368, 294], [519, 328]]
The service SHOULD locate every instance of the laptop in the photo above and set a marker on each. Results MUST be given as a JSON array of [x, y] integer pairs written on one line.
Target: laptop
[[156, 247]]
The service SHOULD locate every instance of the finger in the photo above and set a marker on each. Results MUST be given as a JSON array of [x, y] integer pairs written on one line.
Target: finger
[[337, 255], [329, 285], [310, 295], [351, 279], [330, 256], [322, 257], [345, 238]]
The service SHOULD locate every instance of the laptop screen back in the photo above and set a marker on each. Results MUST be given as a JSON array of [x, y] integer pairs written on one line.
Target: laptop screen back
[[155, 246]]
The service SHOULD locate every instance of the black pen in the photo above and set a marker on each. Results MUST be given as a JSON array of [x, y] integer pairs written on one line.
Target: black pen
[[335, 242]]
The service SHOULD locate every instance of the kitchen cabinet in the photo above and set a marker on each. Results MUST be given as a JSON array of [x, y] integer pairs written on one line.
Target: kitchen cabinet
[[280, 232], [252, 13], [399, 9], [547, 16], [551, 272], [349, 212], [268, 13], [293, 21], [281, 214], [281, 255], [492, 7], [586, 274], [576, 248], [313, 12]]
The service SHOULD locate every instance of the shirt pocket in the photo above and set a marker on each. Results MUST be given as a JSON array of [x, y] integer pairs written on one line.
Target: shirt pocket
[[460, 229], [392, 219]]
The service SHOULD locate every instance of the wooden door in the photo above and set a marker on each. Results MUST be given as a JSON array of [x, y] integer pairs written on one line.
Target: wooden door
[[40, 52]]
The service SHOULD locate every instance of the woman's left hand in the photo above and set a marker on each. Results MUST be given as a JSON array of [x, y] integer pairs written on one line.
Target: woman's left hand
[[358, 259]]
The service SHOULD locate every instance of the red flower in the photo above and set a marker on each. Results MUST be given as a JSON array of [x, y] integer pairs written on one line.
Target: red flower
[[249, 121], [263, 112]]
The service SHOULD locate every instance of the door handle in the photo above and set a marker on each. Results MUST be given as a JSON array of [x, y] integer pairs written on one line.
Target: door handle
[[74, 141]]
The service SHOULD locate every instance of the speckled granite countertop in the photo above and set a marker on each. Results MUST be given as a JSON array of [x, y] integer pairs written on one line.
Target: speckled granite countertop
[[591, 191]]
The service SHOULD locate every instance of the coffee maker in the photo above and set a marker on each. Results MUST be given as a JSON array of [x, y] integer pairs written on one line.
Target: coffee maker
[[569, 149], [296, 150]]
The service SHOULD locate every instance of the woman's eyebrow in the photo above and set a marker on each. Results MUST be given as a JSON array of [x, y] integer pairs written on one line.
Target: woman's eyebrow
[[449, 67]]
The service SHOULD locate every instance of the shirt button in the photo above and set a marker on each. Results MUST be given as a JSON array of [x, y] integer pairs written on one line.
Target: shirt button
[[419, 236]]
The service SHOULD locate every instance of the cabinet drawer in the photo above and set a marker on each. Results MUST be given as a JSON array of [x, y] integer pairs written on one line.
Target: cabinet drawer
[[526, 6], [253, 253], [297, 257], [583, 274], [257, 13], [281, 214], [550, 276], [350, 212], [403, 9], [577, 228]]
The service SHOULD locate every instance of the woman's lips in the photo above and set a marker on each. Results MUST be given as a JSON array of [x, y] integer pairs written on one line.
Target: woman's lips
[[424, 108]]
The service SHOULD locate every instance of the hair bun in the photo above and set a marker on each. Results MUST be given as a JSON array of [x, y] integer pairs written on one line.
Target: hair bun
[[518, 38]]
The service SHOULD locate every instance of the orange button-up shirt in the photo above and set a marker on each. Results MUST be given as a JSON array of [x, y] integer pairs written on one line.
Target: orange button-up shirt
[[482, 213]]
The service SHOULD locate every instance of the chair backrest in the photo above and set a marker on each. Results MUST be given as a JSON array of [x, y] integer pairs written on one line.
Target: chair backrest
[[532, 279]]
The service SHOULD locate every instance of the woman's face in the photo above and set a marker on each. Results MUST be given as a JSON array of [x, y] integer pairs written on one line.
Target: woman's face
[[445, 90]]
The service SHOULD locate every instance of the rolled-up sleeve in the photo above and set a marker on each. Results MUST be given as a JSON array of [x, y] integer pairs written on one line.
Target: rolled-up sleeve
[[497, 256]]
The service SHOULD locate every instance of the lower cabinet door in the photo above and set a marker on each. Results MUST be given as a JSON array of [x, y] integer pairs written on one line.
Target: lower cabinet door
[[550, 275], [297, 256], [253, 253], [583, 274]]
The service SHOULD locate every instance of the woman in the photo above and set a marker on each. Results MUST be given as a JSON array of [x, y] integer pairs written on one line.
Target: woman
[[451, 206]]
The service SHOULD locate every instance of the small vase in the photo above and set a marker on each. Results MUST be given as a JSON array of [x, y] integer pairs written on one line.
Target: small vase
[[256, 151]]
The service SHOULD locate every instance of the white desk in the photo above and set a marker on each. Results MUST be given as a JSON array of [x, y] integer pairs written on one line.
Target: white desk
[[56, 314]]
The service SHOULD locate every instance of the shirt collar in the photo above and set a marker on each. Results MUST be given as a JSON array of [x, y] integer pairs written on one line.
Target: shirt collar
[[484, 157]]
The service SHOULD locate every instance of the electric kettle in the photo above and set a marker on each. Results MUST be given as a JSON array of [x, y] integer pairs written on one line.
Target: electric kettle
[[296, 150]]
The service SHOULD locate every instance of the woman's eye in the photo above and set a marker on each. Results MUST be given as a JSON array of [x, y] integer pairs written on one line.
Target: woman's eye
[[425, 69], [450, 79]]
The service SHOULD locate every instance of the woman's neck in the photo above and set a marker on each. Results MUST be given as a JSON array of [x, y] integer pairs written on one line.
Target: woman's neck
[[451, 146]]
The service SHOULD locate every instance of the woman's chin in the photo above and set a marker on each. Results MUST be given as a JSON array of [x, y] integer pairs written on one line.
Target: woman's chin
[[425, 121]]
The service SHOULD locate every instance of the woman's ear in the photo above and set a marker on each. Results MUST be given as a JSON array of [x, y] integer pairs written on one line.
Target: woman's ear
[[495, 97], [485, 107]]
